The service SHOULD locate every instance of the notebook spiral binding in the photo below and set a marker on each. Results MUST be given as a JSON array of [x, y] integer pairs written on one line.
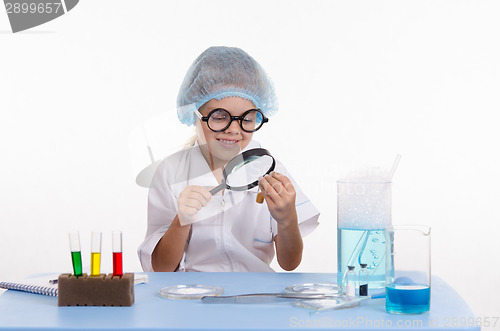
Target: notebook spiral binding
[[38, 289]]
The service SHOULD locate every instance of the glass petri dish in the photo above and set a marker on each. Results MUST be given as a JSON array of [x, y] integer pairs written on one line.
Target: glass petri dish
[[190, 291], [325, 304], [315, 288]]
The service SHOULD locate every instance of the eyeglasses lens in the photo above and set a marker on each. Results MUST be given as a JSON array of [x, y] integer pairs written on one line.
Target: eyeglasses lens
[[219, 120], [252, 121]]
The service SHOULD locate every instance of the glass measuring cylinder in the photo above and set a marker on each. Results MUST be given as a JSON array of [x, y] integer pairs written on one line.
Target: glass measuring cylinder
[[363, 213], [408, 269]]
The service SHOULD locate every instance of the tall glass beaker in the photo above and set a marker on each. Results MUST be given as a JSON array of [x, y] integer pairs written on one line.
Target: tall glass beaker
[[363, 213], [408, 269]]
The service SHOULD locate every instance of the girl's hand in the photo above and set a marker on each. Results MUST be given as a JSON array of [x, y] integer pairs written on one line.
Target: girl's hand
[[191, 200], [280, 197]]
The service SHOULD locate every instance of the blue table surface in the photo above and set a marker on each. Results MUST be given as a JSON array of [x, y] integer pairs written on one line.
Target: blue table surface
[[20, 310]]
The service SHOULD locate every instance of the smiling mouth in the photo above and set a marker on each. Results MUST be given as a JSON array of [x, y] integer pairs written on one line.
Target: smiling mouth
[[228, 143]]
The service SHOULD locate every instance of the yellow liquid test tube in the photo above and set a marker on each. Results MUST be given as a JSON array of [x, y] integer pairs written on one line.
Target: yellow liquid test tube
[[95, 264], [95, 255]]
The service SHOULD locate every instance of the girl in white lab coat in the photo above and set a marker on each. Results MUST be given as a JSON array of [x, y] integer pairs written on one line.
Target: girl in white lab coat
[[227, 96]]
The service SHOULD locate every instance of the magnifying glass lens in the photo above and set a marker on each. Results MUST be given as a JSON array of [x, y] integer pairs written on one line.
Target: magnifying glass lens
[[243, 171], [249, 170]]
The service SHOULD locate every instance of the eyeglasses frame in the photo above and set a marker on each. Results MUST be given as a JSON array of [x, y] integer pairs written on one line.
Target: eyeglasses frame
[[232, 118]]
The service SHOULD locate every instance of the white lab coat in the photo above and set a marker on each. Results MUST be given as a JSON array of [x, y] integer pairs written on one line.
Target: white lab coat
[[234, 233]]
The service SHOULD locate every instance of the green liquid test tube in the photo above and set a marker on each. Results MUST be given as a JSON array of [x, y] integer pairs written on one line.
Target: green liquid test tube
[[76, 254], [76, 257]]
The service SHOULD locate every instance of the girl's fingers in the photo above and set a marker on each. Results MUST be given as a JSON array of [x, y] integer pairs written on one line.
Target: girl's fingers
[[193, 203], [279, 195], [264, 187], [277, 185], [201, 197], [287, 184], [205, 193], [192, 199], [271, 188], [200, 193]]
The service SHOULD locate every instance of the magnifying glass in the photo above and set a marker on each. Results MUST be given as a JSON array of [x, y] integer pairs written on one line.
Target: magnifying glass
[[243, 171]]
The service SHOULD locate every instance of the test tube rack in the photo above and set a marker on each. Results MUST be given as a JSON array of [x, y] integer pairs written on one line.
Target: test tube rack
[[102, 290]]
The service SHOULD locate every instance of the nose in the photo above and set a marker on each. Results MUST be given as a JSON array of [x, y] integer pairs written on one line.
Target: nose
[[234, 127]]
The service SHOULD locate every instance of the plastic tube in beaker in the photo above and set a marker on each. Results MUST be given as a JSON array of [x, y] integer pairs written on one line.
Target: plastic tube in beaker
[[95, 254], [76, 254], [117, 254]]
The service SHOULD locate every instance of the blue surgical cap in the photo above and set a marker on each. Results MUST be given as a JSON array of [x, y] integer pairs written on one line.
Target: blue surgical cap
[[221, 72]]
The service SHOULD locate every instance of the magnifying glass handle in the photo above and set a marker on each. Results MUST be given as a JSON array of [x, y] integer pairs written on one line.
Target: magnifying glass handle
[[217, 189]]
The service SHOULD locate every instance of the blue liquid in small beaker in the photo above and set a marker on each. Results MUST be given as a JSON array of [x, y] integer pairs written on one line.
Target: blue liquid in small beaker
[[408, 299]]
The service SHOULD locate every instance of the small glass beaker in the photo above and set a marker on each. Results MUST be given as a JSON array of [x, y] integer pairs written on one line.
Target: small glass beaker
[[408, 269]]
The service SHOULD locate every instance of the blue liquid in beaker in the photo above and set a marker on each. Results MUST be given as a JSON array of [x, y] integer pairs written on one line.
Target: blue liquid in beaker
[[408, 299], [356, 246]]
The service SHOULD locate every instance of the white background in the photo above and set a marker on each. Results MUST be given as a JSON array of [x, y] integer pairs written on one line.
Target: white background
[[358, 82]]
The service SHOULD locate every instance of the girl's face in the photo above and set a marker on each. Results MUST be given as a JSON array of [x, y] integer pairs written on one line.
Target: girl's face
[[223, 146]]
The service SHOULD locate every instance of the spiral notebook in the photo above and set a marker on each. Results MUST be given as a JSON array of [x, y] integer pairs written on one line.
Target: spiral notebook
[[40, 285], [43, 285]]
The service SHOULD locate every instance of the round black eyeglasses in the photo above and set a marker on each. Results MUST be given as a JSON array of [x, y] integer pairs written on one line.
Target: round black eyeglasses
[[220, 119]]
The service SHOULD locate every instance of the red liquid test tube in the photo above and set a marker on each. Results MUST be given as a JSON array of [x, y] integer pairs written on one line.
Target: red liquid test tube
[[117, 254]]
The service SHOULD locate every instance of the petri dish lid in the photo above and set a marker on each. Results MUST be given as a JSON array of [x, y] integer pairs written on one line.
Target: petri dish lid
[[315, 288], [190, 291], [325, 304]]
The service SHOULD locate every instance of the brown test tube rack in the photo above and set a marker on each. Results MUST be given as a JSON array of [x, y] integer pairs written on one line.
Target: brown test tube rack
[[102, 290]]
